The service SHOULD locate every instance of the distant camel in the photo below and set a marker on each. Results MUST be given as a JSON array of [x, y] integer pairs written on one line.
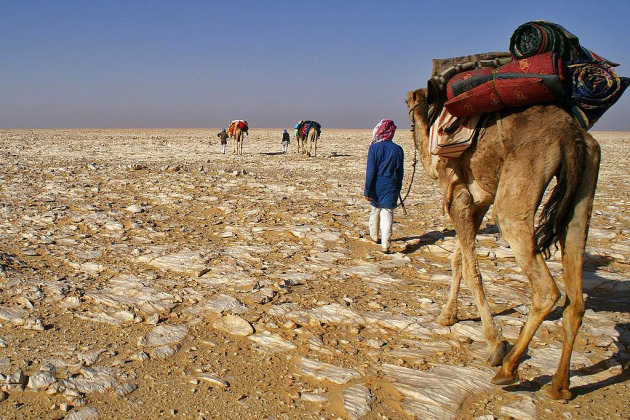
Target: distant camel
[[237, 129], [515, 157], [308, 139]]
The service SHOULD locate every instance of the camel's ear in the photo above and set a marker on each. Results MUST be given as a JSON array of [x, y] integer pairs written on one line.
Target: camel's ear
[[416, 96], [410, 98]]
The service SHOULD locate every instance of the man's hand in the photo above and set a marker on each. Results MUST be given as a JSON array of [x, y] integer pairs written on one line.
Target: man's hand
[[367, 198]]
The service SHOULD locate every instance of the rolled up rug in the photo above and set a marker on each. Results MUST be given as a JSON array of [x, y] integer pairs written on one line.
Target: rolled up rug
[[595, 88], [540, 36], [529, 81]]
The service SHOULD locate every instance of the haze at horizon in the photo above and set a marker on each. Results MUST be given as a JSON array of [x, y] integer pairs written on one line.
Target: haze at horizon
[[155, 64]]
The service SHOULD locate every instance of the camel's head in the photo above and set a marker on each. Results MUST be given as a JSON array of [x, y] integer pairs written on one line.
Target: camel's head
[[417, 102], [418, 108]]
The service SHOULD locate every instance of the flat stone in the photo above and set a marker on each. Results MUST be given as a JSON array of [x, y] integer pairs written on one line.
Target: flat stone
[[469, 329], [87, 413], [357, 400], [187, 262], [325, 371], [219, 304], [40, 380], [91, 380], [315, 398], [213, 380], [234, 324], [164, 335], [114, 225], [13, 315], [524, 408], [271, 343], [164, 352], [439, 391]]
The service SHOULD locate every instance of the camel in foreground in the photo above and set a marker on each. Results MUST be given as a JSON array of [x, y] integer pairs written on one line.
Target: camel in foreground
[[516, 156]]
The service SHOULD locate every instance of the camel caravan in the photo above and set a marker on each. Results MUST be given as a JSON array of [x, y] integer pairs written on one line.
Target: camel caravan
[[496, 129], [306, 134]]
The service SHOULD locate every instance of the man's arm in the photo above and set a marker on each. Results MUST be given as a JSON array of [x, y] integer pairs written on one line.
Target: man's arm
[[400, 171], [370, 174]]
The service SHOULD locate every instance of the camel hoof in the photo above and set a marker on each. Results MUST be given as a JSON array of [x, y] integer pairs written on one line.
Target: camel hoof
[[502, 379], [446, 319], [499, 353], [556, 394]]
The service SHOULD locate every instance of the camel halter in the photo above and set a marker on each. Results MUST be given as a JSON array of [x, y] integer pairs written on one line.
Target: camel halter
[[415, 160]]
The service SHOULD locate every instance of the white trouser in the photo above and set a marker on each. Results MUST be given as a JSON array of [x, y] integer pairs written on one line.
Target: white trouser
[[223, 148], [285, 146], [383, 218]]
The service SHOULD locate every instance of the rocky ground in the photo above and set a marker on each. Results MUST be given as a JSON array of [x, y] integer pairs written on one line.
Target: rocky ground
[[144, 275]]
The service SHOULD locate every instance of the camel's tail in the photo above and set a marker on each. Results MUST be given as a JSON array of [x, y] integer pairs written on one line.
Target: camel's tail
[[558, 210]]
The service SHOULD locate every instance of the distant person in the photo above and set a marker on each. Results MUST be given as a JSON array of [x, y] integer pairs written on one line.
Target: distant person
[[223, 136], [285, 141], [383, 181]]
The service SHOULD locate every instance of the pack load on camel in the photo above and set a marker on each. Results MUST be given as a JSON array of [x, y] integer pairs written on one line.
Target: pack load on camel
[[302, 127], [306, 132], [546, 64], [242, 124]]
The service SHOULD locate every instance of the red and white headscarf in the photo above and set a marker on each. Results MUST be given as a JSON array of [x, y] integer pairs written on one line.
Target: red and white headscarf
[[383, 131]]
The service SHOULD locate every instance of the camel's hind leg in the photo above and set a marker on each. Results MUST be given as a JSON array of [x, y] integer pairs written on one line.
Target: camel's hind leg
[[516, 202], [448, 316], [572, 262], [462, 209]]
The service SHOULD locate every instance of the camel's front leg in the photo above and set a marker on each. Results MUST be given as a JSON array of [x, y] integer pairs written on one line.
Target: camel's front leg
[[462, 211], [448, 316]]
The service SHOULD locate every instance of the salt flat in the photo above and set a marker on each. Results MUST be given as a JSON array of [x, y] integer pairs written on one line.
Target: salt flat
[[144, 274]]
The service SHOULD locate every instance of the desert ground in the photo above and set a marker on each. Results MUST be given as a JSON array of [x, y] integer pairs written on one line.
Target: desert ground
[[145, 275]]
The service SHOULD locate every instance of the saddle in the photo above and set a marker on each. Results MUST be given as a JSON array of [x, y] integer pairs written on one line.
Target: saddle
[[450, 136]]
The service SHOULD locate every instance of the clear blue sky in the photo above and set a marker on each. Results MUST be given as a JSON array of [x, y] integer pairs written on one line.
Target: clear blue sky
[[137, 64]]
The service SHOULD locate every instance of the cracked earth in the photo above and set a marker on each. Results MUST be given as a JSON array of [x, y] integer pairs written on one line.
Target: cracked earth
[[144, 275]]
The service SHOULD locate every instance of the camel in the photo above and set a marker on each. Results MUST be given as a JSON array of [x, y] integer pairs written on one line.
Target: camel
[[516, 155], [309, 139], [239, 135], [235, 131]]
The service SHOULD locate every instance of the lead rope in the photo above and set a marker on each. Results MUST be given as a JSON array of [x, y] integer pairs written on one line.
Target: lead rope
[[415, 161], [413, 174]]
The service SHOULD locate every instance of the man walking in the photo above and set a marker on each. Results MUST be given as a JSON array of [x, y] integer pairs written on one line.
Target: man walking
[[383, 181]]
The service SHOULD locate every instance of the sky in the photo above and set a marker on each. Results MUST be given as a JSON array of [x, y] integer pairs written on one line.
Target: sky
[[200, 64]]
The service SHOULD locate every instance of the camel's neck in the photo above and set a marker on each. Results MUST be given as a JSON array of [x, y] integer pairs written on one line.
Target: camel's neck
[[421, 140]]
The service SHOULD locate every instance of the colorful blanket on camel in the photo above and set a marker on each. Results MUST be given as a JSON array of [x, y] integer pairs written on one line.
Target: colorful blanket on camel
[[446, 68], [540, 36], [593, 84], [303, 127], [240, 123], [529, 81], [595, 87]]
